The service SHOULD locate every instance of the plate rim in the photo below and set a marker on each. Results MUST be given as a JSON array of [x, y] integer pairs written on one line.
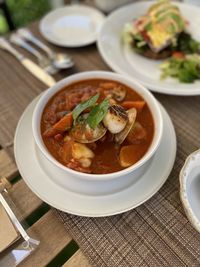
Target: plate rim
[[86, 214], [116, 68], [57, 10]]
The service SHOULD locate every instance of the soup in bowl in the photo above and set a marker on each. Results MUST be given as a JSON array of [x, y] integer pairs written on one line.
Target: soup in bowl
[[98, 125]]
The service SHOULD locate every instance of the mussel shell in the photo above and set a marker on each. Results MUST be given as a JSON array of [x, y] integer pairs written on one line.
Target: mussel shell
[[82, 133], [120, 137]]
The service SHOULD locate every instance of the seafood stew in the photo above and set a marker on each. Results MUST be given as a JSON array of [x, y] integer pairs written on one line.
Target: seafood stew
[[97, 126]]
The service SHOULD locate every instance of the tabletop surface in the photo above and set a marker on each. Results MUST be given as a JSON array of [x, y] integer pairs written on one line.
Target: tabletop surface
[[17, 89]]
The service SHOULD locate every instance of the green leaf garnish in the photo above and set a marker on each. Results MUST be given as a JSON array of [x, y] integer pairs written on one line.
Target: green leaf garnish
[[84, 105], [97, 114]]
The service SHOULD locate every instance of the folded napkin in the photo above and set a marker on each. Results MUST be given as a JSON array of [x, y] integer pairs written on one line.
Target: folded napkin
[[156, 233], [8, 233]]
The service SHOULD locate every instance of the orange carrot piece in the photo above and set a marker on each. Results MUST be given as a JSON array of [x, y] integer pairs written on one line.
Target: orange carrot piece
[[133, 104], [50, 133], [64, 124], [108, 85]]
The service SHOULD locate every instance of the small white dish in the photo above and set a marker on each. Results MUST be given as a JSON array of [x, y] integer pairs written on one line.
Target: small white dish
[[190, 188], [124, 60], [40, 175], [72, 25], [108, 6]]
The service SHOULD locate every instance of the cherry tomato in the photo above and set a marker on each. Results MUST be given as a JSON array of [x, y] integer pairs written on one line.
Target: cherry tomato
[[178, 54]]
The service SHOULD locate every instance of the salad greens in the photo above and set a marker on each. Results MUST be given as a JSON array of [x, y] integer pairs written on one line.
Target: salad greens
[[185, 61], [186, 69], [136, 40], [187, 44]]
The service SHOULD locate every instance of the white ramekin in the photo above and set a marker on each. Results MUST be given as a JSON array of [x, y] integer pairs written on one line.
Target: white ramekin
[[137, 169]]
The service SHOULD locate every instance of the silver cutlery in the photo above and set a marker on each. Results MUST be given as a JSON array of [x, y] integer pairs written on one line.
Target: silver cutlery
[[59, 60], [13, 218], [27, 63], [29, 242], [42, 61]]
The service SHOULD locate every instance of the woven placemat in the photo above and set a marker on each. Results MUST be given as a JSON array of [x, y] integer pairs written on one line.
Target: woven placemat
[[156, 233]]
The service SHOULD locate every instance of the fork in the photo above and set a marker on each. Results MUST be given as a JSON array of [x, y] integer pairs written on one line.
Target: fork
[[59, 60], [42, 61]]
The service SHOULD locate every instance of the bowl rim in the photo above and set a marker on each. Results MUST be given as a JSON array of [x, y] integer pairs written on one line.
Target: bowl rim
[[183, 190], [133, 84]]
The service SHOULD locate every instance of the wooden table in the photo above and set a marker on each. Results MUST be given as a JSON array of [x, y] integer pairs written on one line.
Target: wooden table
[[17, 89]]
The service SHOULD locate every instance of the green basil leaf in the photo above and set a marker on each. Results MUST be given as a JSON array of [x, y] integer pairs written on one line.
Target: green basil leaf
[[97, 114], [84, 105]]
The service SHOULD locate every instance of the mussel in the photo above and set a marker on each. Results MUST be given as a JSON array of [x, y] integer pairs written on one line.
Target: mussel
[[114, 91], [83, 133], [119, 93]]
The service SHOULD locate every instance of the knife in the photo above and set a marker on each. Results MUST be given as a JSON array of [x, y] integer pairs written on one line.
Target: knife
[[27, 63]]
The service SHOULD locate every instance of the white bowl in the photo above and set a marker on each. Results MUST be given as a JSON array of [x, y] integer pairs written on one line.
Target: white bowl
[[190, 188], [137, 169]]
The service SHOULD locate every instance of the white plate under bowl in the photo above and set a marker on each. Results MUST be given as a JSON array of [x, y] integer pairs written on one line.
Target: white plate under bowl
[[125, 61], [72, 25], [31, 165]]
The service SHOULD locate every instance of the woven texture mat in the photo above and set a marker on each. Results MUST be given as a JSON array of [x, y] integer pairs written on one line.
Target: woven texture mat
[[156, 233]]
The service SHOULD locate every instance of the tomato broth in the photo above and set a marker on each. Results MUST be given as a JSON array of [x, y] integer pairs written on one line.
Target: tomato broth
[[104, 155]]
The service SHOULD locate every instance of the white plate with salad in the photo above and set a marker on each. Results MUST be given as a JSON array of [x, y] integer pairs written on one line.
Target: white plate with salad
[[157, 43]]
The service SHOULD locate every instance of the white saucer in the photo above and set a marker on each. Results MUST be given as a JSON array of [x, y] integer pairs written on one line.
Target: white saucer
[[72, 25], [34, 174]]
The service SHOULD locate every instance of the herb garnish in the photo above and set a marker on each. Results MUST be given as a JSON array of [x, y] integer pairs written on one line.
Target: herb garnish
[[97, 114], [84, 105]]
